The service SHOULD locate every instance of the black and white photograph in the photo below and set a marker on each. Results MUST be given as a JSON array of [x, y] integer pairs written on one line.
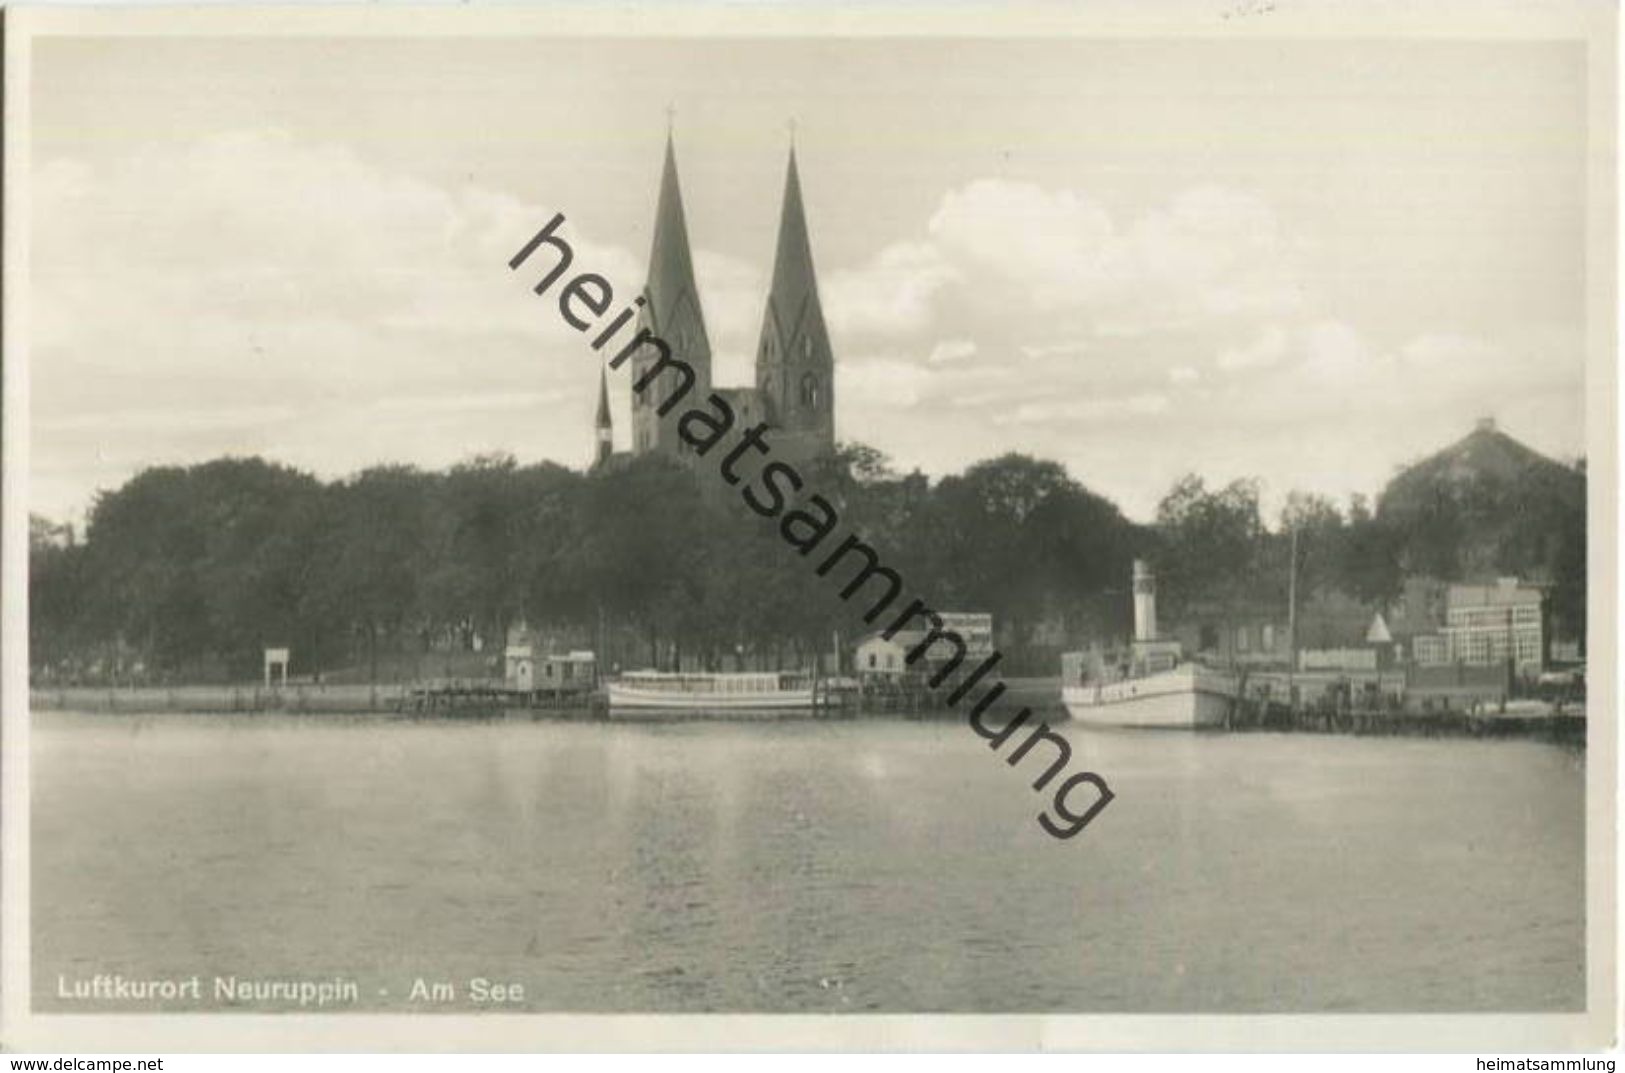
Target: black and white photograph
[[897, 516]]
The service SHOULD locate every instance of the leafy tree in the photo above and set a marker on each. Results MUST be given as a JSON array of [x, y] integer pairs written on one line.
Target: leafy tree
[[199, 564], [371, 552], [1369, 567], [1209, 542], [56, 594]]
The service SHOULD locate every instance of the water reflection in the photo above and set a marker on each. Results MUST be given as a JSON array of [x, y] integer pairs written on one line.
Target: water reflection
[[811, 866]]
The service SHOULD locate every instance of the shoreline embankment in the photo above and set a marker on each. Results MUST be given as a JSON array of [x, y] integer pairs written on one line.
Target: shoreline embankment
[[404, 700]]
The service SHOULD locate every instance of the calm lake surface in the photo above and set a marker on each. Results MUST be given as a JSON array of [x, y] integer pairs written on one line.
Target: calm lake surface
[[803, 866]]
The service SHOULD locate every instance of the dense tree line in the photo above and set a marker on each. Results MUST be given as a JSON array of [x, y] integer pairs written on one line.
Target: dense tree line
[[189, 572]]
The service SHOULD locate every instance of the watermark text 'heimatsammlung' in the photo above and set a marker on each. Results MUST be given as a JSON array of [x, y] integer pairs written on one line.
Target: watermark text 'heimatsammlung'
[[807, 526]]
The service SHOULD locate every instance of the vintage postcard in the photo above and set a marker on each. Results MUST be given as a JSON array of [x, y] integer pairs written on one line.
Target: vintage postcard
[[552, 528]]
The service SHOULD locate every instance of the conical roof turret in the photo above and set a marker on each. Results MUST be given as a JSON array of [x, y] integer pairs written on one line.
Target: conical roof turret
[[603, 421]]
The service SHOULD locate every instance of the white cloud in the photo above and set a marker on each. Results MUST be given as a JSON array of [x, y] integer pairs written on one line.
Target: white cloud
[[295, 287], [1095, 409], [893, 295], [1045, 350], [257, 293], [1056, 246], [885, 383], [951, 350], [1058, 297], [1266, 349], [1218, 249]]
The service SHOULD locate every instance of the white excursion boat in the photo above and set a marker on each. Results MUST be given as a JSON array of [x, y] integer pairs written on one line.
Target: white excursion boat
[[654, 692], [1149, 685]]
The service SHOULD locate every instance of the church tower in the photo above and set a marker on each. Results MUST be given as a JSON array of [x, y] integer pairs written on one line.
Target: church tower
[[605, 428], [671, 311], [795, 366]]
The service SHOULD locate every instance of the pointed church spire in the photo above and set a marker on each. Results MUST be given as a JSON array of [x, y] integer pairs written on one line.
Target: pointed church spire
[[671, 283], [671, 313], [794, 293], [795, 370]]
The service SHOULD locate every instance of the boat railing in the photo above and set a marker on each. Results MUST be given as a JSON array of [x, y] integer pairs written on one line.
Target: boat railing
[[671, 682]]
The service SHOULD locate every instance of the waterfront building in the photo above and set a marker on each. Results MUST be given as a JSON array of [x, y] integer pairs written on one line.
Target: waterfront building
[[879, 658], [1258, 633], [794, 392], [1430, 650], [1485, 625], [1488, 624], [530, 664]]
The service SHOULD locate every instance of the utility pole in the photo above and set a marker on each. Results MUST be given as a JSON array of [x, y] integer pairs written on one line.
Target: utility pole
[[1292, 623], [1512, 658]]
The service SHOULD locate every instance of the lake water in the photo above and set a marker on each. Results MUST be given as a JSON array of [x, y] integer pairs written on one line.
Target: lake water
[[802, 866]]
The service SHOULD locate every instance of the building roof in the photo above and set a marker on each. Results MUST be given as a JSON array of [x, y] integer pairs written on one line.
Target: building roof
[[908, 639], [904, 639], [1504, 592]]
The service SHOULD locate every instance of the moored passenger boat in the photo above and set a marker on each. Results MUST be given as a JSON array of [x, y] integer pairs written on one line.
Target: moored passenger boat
[[1150, 684], [657, 692], [1186, 695]]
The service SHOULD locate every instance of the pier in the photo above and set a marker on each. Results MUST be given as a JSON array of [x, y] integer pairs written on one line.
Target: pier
[[476, 699], [1556, 725]]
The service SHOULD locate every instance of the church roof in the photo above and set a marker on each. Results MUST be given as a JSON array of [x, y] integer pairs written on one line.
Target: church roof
[[671, 267], [793, 296]]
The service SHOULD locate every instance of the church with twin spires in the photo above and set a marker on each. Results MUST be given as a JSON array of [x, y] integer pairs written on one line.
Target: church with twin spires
[[794, 391]]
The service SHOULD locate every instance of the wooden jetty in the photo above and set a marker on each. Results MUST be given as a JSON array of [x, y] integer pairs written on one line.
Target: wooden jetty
[[1567, 727]]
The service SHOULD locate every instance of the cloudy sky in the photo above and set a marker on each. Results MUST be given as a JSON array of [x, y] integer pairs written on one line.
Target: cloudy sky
[[1307, 262]]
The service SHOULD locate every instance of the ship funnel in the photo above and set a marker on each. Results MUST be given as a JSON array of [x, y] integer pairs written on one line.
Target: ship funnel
[[1145, 602]]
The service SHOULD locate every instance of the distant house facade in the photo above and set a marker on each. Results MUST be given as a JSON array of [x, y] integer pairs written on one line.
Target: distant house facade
[[1335, 633], [877, 658], [529, 665], [1489, 624], [1485, 625], [1430, 650]]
